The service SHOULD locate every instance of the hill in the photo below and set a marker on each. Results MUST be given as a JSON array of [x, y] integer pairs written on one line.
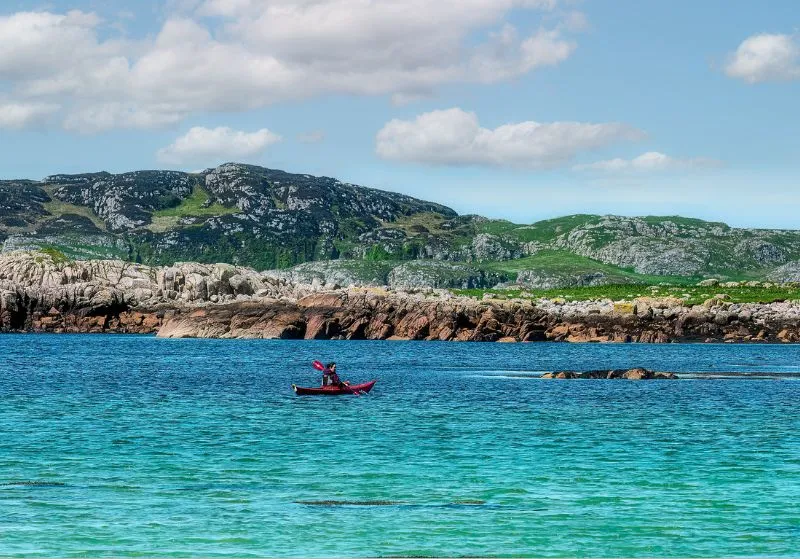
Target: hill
[[321, 229]]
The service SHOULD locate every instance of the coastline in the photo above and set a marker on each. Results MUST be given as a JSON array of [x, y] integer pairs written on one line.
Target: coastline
[[224, 301]]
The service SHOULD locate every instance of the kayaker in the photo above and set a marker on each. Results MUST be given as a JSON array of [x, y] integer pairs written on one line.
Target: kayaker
[[329, 376]]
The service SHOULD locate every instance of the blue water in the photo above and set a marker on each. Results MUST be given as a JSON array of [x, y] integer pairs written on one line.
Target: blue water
[[132, 446]]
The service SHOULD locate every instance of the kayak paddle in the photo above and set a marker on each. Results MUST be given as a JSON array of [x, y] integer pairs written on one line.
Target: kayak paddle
[[350, 390]]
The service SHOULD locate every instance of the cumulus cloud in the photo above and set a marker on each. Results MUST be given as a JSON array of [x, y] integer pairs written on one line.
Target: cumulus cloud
[[104, 116], [505, 56], [455, 137], [201, 145], [766, 57], [14, 116], [652, 161], [223, 55]]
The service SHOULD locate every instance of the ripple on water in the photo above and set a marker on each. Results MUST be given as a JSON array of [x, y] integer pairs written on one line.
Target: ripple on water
[[33, 483]]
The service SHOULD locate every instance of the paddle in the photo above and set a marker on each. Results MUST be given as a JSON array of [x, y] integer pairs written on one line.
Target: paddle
[[352, 390], [320, 367]]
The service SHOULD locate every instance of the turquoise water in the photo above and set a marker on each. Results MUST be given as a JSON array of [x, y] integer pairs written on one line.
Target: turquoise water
[[131, 446]]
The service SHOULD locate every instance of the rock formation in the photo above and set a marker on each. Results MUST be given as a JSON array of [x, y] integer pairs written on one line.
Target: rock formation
[[40, 293], [625, 374]]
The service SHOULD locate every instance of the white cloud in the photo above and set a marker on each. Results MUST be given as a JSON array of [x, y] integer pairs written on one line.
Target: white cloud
[[45, 54], [257, 52], [206, 145], [505, 56], [652, 161], [455, 137], [19, 115], [97, 118], [766, 57], [32, 44]]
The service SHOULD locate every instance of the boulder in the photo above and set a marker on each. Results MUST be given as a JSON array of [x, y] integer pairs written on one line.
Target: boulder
[[637, 374]]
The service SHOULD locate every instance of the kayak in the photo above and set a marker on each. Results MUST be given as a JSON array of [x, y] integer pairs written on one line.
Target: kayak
[[333, 390]]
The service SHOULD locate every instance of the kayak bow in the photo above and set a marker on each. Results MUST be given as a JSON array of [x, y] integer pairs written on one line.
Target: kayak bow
[[334, 390]]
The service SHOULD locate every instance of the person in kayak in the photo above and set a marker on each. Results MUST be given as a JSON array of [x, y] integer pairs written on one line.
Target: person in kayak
[[330, 378]]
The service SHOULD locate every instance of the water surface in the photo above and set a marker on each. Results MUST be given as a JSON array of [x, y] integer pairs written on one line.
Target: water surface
[[132, 446]]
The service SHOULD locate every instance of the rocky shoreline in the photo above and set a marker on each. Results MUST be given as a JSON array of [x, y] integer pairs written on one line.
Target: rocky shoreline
[[41, 294]]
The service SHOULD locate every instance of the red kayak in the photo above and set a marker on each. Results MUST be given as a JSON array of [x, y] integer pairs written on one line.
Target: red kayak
[[334, 390]]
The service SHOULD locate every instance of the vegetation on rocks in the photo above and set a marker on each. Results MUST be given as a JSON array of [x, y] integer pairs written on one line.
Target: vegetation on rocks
[[273, 220], [55, 255]]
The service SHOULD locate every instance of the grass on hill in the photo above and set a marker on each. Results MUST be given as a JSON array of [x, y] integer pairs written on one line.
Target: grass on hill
[[58, 208], [547, 230], [691, 294], [193, 205], [413, 224]]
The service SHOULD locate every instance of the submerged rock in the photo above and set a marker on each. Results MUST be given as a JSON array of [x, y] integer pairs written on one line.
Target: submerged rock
[[626, 374]]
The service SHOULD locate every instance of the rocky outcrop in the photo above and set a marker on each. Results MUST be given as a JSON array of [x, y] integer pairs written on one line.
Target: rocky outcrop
[[438, 274], [789, 272], [413, 274], [124, 201], [378, 314], [21, 204], [334, 274], [673, 245], [533, 279], [40, 292], [625, 374]]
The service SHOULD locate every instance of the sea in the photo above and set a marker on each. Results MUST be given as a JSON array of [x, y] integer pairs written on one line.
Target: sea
[[132, 446]]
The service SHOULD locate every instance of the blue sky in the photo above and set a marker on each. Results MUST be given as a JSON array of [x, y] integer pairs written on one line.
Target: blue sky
[[521, 109]]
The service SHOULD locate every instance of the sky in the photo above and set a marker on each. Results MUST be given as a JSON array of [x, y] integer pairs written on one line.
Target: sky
[[515, 109]]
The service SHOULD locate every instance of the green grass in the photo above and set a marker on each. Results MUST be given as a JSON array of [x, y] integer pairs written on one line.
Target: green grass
[[497, 227], [692, 295], [194, 206], [55, 255], [410, 224], [78, 251], [549, 229], [59, 208], [163, 223]]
